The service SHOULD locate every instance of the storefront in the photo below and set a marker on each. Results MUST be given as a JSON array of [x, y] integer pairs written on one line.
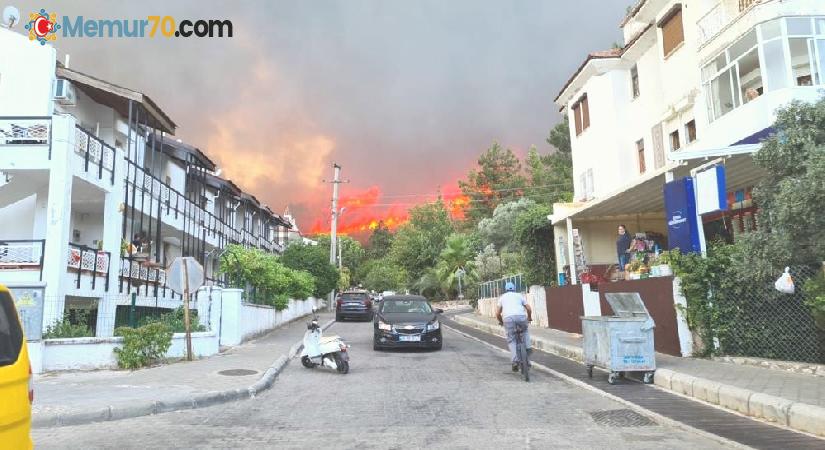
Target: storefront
[[586, 235]]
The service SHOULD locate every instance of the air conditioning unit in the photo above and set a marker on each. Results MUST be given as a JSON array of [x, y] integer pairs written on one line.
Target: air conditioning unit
[[64, 93]]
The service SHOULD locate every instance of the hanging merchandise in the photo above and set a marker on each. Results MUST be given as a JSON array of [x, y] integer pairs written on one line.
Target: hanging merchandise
[[785, 283]]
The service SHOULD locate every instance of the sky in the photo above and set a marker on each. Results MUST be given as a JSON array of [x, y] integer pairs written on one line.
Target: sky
[[404, 95]]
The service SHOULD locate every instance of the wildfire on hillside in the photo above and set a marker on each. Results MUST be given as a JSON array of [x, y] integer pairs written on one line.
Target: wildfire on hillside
[[365, 210]]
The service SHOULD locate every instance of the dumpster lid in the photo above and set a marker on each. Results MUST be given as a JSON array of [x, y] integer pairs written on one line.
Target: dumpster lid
[[627, 304]]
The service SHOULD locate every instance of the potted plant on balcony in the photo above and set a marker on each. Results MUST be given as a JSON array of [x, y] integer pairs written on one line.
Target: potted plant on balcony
[[661, 266]]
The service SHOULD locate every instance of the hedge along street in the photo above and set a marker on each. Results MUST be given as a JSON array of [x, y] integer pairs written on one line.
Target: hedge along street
[[166, 388]]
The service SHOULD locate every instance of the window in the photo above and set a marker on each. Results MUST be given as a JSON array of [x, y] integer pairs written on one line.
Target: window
[[634, 80], [11, 336], [775, 64], [640, 152], [581, 114], [674, 141], [586, 185], [673, 33], [734, 77], [803, 66], [690, 131]]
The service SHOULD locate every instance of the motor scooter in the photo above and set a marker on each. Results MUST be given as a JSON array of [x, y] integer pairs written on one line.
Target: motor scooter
[[329, 351]]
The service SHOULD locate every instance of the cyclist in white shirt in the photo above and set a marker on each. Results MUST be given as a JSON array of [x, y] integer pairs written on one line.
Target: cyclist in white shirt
[[512, 311]]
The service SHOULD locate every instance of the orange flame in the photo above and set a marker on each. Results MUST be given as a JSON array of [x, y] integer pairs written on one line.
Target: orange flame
[[365, 210]]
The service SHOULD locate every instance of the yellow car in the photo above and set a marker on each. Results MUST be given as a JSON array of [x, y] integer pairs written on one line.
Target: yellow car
[[16, 392]]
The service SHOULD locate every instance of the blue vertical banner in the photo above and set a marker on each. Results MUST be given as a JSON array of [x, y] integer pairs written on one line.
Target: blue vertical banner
[[680, 210]]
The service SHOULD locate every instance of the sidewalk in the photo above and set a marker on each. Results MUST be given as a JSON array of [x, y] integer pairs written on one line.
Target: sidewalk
[[82, 397], [791, 399]]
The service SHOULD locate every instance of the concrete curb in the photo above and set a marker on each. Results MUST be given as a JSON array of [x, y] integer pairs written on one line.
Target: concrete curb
[[175, 403], [795, 415]]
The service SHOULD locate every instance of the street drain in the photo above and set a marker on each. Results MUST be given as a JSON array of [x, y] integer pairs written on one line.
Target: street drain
[[621, 418], [237, 372]]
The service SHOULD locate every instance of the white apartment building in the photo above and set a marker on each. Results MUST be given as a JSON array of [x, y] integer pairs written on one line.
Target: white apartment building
[[696, 80], [97, 197]]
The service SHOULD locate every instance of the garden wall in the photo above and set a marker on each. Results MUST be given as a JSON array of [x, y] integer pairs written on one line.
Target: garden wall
[[90, 353], [535, 298], [227, 318]]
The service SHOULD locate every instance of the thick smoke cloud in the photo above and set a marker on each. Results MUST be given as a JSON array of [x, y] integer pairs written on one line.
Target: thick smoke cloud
[[403, 94]]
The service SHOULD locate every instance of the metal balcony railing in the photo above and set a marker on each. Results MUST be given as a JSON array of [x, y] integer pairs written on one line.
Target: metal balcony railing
[[22, 254], [134, 270], [83, 259], [95, 152], [19, 130]]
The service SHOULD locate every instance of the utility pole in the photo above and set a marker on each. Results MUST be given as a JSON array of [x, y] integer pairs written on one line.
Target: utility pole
[[340, 247], [333, 235]]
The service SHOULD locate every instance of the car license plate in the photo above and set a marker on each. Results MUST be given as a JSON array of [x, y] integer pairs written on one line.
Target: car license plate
[[409, 338]]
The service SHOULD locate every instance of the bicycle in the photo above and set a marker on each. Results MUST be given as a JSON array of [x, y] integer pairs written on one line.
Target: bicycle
[[521, 351]]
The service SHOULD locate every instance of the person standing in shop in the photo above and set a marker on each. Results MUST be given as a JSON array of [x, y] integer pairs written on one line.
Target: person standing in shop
[[623, 242]]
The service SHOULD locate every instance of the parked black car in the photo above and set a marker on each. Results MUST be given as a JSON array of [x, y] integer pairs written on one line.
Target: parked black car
[[354, 305], [403, 321]]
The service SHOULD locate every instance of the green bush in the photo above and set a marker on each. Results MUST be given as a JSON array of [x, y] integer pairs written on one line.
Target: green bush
[[64, 328], [175, 322], [265, 278], [143, 346], [814, 290], [312, 259]]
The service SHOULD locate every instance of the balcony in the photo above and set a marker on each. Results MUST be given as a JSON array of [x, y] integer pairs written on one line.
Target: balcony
[[21, 259], [719, 16], [174, 206], [25, 142], [90, 264], [96, 154]]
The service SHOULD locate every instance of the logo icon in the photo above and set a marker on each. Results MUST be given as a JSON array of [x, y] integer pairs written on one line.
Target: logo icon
[[677, 220], [42, 26]]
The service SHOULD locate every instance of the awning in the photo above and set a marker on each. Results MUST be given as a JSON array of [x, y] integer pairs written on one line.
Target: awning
[[222, 184], [646, 195], [117, 97], [183, 152]]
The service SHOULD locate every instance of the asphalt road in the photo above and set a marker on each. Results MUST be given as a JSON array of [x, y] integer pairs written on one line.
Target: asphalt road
[[464, 396]]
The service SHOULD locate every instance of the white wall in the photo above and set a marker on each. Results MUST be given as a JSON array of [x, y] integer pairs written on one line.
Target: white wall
[[535, 298], [257, 319], [26, 75], [17, 219], [230, 321], [98, 353], [89, 225], [92, 116]]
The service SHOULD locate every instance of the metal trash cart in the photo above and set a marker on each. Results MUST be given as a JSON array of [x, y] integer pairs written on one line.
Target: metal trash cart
[[620, 343]]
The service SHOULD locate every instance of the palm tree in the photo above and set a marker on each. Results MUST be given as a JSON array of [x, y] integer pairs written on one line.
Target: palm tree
[[457, 254]]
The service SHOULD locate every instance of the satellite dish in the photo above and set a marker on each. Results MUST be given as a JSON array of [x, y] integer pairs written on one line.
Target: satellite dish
[[11, 16]]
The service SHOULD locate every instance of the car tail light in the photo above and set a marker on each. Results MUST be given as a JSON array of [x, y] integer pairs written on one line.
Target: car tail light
[[368, 303], [31, 386]]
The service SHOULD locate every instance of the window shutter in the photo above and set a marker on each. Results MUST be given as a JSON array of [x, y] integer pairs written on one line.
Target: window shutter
[[673, 32], [577, 118], [585, 113]]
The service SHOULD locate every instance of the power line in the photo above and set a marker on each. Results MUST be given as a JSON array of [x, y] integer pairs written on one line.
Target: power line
[[435, 194], [534, 195]]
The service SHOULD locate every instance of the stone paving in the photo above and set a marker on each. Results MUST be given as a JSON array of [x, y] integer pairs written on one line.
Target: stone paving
[[464, 396], [80, 391]]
